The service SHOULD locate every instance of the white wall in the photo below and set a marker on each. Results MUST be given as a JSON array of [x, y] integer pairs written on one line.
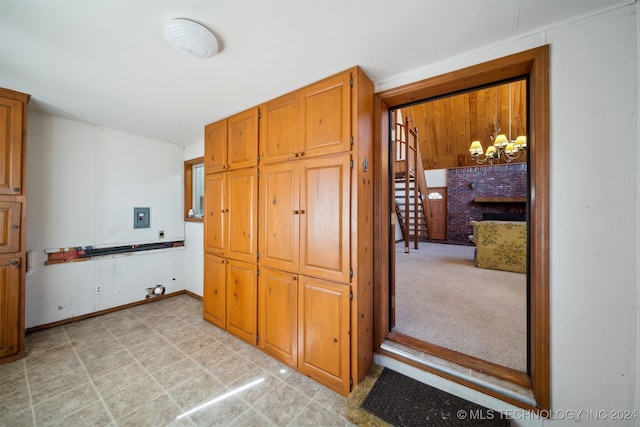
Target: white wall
[[594, 283], [82, 185], [193, 235]]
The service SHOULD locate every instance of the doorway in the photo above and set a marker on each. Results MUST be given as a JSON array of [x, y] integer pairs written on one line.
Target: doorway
[[438, 201], [532, 65]]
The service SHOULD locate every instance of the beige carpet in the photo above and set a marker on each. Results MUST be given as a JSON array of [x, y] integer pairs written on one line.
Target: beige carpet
[[443, 299]]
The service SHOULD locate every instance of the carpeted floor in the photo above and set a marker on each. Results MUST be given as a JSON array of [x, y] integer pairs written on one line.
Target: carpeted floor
[[403, 401], [443, 299]]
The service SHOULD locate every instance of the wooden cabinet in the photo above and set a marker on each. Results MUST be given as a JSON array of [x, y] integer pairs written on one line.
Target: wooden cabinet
[[10, 227], [278, 308], [313, 121], [311, 217], [232, 143], [214, 298], [324, 332], [305, 216], [230, 212], [13, 116], [10, 306], [242, 300]]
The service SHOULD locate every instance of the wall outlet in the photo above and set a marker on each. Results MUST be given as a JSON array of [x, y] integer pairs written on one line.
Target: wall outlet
[[98, 289], [161, 234]]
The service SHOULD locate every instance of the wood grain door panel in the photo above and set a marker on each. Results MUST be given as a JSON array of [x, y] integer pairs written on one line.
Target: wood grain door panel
[[215, 147], [280, 132], [278, 308], [9, 306], [10, 227], [242, 139], [242, 300], [323, 346], [325, 217], [242, 202], [214, 301], [215, 213], [326, 116], [279, 244], [11, 117]]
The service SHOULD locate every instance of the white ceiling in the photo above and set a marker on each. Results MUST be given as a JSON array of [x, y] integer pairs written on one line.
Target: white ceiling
[[106, 62]]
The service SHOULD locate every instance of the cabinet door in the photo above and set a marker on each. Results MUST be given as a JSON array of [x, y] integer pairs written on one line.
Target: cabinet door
[[215, 213], [11, 146], [325, 218], [10, 227], [215, 147], [242, 202], [242, 300], [279, 216], [323, 335], [214, 299], [325, 116], [278, 308], [10, 327], [279, 130], [242, 139]]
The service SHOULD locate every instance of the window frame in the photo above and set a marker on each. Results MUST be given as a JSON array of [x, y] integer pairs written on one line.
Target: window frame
[[188, 188]]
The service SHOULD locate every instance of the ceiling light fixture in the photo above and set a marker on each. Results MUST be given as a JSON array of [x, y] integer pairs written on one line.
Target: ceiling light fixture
[[190, 38]]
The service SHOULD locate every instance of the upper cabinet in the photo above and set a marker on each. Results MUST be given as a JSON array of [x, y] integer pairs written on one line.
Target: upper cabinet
[[12, 118], [232, 143], [312, 121]]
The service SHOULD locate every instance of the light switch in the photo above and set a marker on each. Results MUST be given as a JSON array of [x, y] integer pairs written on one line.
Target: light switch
[[141, 218]]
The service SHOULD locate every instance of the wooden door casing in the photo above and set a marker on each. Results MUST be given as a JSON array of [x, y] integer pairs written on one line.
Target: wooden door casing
[[324, 332], [325, 217], [278, 308], [242, 300], [279, 245], [214, 301]]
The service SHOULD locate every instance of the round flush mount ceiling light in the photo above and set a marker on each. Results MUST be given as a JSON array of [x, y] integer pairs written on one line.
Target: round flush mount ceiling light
[[190, 38]]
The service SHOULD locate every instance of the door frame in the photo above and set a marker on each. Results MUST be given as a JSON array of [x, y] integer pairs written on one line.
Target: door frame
[[534, 65]]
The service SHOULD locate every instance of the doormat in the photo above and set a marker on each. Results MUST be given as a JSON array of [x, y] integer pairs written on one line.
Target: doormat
[[405, 402]]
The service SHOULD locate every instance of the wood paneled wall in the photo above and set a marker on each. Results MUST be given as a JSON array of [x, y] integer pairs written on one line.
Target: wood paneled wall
[[446, 126]]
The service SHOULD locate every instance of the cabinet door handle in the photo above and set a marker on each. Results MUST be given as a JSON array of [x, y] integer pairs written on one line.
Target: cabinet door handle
[[15, 262], [15, 226], [301, 211], [16, 189], [294, 277], [296, 212]]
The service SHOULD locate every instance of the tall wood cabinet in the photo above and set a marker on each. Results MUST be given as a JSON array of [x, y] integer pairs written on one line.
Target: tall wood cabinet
[[306, 228], [13, 119]]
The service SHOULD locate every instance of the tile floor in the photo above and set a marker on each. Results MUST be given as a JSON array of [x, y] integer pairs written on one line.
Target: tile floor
[[158, 364]]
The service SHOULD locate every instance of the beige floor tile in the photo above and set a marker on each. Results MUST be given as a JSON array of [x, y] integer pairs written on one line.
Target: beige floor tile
[[64, 404], [211, 355], [94, 415], [314, 415], [123, 377], [53, 386], [132, 396], [195, 341], [14, 402], [303, 384], [220, 413], [12, 380], [150, 347], [175, 374], [196, 390], [22, 418], [109, 364], [267, 382], [282, 404], [159, 361], [251, 418], [161, 411], [229, 369]]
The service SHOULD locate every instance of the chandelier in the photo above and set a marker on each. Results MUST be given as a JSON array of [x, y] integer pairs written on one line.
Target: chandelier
[[501, 147]]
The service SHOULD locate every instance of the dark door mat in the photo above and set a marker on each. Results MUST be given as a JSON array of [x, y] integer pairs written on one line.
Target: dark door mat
[[405, 402]]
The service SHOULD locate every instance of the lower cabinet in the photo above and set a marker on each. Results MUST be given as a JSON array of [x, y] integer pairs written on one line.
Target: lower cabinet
[[278, 308], [10, 303], [230, 299], [324, 332]]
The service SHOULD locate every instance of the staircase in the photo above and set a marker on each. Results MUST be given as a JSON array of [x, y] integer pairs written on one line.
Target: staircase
[[409, 218], [410, 188]]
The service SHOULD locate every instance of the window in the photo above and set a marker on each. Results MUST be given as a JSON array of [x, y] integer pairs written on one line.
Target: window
[[194, 189]]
